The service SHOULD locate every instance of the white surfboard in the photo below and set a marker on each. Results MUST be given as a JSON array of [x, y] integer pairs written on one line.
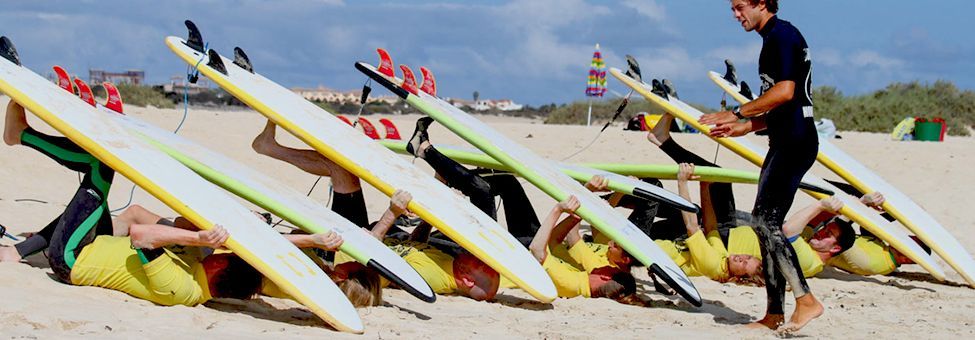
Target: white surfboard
[[183, 191], [546, 176], [901, 207], [383, 169], [852, 208]]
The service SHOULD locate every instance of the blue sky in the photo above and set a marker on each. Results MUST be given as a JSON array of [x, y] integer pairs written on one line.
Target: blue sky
[[533, 51]]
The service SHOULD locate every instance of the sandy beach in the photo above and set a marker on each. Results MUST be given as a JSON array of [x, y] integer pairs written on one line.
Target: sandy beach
[[908, 304]]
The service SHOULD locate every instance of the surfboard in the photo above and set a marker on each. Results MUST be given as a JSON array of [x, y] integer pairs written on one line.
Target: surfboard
[[183, 191], [896, 203], [347, 147], [617, 183], [540, 172], [852, 207], [274, 196]]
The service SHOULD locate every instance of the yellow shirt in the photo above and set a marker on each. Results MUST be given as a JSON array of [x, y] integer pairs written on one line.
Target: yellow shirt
[[699, 256], [868, 256], [569, 281], [175, 278], [743, 240], [436, 267]]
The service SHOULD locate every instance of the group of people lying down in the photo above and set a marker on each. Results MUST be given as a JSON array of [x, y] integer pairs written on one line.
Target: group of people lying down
[[173, 262]]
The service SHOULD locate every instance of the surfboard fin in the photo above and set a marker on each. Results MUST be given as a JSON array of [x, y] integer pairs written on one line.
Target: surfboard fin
[[429, 84], [241, 59], [385, 63], [85, 92], [409, 80], [8, 51], [633, 68], [216, 62], [730, 74], [670, 88], [658, 89], [114, 101], [64, 80], [193, 37], [746, 91]]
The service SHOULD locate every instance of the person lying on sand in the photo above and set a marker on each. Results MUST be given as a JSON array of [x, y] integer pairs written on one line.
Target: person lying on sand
[[458, 273]]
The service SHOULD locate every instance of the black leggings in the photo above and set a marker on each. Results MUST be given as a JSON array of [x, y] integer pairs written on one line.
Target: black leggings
[[781, 173]]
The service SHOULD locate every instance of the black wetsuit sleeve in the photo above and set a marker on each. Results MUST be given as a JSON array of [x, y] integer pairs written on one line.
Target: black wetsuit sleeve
[[787, 52]]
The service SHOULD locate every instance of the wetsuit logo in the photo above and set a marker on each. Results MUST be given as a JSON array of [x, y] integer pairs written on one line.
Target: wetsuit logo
[[767, 82]]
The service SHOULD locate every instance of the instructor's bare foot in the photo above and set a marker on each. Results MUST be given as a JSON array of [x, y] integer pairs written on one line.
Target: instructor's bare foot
[[770, 321], [9, 254], [265, 139], [661, 131], [807, 309]]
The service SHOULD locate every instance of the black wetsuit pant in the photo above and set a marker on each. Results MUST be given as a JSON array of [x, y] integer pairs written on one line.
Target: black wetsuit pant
[[781, 174], [87, 214]]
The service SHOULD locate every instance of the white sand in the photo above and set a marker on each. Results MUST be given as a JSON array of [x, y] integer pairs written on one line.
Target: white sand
[[908, 304]]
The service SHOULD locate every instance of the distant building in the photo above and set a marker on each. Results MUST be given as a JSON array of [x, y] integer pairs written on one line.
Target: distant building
[[134, 77], [496, 104], [324, 94], [178, 84]]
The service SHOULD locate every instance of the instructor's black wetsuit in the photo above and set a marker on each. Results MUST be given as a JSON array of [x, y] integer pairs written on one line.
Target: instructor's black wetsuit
[[793, 145], [87, 214]]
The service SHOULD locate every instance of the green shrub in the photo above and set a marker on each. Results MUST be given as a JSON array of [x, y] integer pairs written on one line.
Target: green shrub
[[144, 96]]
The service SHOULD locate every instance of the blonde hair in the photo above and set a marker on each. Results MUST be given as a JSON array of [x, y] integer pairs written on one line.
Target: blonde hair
[[363, 288], [754, 280]]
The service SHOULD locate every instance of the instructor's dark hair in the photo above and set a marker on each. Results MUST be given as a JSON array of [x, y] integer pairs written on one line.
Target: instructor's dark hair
[[771, 5]]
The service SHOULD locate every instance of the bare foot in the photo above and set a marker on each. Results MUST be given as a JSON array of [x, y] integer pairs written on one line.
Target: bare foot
[[9, 254], [807, 309], [661, 131], [770, 321], [264, 140]]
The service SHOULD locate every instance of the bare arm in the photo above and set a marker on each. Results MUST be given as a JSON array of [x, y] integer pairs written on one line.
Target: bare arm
[[330, 241], [397, 206], [544, 236], [780, 93], [827, 206], [707, 209], [683, 175], [152, 236]]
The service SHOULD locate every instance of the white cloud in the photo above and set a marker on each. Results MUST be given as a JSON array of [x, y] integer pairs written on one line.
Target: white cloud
[[647, 8], [865, 58], [739, 54]]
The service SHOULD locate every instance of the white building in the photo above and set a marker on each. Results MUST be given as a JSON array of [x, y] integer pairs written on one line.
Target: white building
[[325, 94]]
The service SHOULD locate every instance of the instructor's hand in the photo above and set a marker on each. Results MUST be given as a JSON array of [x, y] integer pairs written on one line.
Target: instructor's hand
[[735, 129], [718, 118]]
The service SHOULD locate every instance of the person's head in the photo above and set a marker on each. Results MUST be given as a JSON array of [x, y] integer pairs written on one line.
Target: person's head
[[618, 257], [745, 269], [475, 278], [836, 237], [360, 284], [752, 14], [611, 283], [229, 276]]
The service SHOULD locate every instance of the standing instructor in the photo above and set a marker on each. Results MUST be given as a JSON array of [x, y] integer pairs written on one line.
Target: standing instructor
[[785, 111]]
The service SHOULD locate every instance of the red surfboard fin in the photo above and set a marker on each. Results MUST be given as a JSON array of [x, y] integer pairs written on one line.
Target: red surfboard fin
[[409, 80], [114, 101], [385, 63], [368, 128], [64, 80], [429, 83], [391, 131], [84, 91]]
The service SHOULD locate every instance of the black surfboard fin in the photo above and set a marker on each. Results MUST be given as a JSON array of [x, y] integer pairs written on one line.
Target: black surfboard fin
[[658, 89], [633, 68], [193, 37], [730, 74], [240, 59], [746, 91], [670, 88], [8, 51], [216, 62]]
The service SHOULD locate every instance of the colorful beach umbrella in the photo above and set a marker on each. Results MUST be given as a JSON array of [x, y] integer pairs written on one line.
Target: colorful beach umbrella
[[596, 84]]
